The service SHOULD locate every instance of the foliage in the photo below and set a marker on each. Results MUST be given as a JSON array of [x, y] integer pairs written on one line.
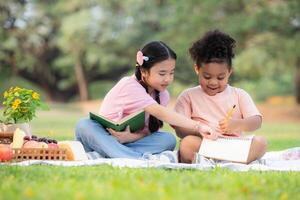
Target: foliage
[[66, 46], [20, 105], [264, 87], [99, 89]]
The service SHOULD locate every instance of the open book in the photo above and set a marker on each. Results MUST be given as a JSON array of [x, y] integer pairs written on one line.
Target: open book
[[135, 121], [235, 149]]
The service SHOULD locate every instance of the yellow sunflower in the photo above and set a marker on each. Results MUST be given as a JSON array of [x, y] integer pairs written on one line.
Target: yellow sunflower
[[17, 89], [35, 95], [16, 104]]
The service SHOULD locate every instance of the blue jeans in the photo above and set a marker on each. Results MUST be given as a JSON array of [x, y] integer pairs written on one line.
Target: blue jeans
[[95, 138]]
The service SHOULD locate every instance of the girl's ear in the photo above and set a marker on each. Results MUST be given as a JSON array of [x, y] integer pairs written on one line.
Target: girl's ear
[[196, 68]]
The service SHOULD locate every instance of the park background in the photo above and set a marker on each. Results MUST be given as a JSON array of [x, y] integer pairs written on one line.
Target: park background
[[72, 52]]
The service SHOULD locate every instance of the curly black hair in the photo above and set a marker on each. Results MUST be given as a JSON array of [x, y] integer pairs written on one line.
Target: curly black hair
[[214, 46]]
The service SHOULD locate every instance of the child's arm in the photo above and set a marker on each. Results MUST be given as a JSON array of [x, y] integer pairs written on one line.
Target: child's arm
[[248, 124], [175, 119], [182, 132]]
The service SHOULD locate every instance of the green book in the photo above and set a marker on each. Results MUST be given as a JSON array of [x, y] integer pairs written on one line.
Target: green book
[[135, 121]]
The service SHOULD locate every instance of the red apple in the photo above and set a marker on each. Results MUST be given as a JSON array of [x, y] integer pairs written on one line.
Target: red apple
[[52, 146], [6, 152]]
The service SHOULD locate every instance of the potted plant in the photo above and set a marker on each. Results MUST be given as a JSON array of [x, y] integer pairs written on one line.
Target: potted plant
[[20, 105]]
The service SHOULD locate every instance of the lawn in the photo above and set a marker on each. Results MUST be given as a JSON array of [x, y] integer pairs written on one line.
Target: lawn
[[106, 182]]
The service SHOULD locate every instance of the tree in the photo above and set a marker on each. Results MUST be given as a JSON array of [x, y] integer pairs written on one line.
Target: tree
[[267, 34], [65, 47]]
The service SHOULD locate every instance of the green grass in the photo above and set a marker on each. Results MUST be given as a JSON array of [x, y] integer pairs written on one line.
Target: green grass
[[106, 182], [280, 135]]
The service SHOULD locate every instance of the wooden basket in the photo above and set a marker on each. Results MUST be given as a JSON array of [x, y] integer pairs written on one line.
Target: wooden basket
[[39, 154]]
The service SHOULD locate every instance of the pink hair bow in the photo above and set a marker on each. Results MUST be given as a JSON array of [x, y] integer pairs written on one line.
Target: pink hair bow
[[140, 58]]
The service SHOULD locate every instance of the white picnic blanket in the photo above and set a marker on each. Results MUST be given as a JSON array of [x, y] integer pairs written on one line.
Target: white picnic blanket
[[286, 160]]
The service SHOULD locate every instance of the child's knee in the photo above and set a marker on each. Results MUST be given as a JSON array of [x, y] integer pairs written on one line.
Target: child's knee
[[189, 141], [81, 126], [189, 145], [171, 139], [168, 141], [260, 143]]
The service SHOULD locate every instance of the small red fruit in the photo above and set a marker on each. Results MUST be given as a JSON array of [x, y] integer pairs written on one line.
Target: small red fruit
[[6, 152], [53, 146]]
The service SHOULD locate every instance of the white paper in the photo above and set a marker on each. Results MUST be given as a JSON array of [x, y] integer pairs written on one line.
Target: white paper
[[234, 149]]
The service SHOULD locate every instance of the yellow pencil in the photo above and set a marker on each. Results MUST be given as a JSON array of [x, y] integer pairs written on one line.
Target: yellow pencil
[[230, 112]]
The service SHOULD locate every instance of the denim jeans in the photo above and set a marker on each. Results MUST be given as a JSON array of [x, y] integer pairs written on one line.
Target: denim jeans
[[95, 138]]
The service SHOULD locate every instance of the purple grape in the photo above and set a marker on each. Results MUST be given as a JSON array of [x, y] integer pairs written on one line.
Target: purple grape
[[26, 137]]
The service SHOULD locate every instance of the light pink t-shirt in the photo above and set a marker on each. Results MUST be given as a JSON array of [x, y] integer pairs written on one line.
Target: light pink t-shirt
[[129, 96], [209, 110]]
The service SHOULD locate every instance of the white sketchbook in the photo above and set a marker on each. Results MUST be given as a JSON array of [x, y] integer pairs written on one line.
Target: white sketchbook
[[235, 149]]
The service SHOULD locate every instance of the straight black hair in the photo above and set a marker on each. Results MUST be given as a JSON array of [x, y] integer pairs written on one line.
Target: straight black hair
[[156, 52]]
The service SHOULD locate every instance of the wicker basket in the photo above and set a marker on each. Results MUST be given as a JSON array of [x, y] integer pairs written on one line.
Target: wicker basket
[[6, 138], [39, 154]]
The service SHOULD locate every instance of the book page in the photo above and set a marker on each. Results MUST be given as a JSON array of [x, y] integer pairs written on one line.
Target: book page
[[98, 117], [130, 116], [234, 149]]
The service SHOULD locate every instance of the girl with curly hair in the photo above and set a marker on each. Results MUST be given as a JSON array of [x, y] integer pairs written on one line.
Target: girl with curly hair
[[209, 102]]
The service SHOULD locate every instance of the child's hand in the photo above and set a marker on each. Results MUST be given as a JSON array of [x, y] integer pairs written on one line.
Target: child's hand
[[228, 126], [124, 136], [208, 132]]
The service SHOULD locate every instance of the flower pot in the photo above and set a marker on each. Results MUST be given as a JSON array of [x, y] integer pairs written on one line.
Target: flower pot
[[10, 128]]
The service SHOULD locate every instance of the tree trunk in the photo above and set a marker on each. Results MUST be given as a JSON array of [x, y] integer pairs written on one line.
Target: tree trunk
[[81, 80], [12, 63], [297, 81]]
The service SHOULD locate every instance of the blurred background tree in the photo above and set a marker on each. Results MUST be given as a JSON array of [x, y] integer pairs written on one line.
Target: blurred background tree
[[76, 50]]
